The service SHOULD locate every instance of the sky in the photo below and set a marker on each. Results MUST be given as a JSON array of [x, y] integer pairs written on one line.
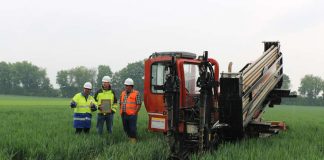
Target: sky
[[62, 34]]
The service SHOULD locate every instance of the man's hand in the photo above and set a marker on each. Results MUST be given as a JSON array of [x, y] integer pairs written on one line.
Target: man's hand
[[100, 107], [138, 109], [73, 104], [93, 107]]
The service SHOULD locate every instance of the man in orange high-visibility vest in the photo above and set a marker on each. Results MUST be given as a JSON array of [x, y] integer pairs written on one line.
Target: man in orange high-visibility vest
[[130, 104]]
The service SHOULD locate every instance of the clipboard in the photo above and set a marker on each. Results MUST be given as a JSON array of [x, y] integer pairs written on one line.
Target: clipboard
[[106, 106]]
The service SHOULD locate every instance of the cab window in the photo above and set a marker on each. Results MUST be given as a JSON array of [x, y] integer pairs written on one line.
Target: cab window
[[191, 75], [158, 76]]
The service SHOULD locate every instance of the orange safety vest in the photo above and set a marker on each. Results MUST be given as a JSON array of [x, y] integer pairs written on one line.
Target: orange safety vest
[[131, 106]]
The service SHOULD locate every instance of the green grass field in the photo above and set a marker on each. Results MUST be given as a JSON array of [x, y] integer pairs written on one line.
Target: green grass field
[[41, 128]]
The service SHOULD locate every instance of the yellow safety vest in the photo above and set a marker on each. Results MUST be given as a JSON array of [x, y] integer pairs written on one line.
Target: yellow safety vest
[[83, 104], [107, 95]]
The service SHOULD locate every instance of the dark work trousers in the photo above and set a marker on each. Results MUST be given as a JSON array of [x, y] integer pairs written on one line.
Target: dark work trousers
[[79, 130], [129, 123], [101, 119]]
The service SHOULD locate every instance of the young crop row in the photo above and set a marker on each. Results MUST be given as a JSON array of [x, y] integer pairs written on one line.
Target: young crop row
[[40, 131]]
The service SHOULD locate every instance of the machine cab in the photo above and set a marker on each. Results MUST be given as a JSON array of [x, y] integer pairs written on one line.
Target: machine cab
[[156, 70]]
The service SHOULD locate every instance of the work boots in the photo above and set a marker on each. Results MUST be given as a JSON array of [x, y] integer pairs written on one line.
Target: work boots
[[132, 140]]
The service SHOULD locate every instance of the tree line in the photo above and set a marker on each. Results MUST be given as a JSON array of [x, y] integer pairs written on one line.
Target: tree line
[[311, 91], [24, 78], [71, 81]]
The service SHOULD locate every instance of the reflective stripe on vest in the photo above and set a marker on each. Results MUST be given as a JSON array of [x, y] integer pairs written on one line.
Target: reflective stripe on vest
[[82, 119], [131, 106]]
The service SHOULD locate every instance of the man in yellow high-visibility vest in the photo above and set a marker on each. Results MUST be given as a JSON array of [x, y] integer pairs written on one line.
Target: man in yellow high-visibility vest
[[107, 103], [83, 104]]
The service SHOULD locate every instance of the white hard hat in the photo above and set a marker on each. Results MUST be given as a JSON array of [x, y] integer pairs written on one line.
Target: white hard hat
[[87, 85], [129, 82], [106, 79]]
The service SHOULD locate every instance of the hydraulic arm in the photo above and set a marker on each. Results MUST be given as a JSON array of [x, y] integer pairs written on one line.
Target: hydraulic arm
[[244, 95]]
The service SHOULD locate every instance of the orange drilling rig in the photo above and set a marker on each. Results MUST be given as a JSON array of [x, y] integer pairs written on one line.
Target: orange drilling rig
[[187, 100]]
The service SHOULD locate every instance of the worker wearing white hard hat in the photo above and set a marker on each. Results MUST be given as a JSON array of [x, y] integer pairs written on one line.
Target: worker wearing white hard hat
[[107, 102], [130, 104], [129, 82], [106, 79], [83, 104]]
